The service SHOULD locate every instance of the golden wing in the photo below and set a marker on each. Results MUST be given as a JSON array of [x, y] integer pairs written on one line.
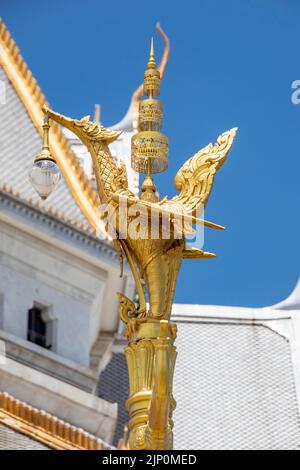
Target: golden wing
[[195, 178]]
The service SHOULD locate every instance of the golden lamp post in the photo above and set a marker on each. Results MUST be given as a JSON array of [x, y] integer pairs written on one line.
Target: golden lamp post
[[154, 250]]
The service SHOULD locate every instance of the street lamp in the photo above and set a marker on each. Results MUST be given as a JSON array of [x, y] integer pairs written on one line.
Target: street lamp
[[44, 174], [154, 255]]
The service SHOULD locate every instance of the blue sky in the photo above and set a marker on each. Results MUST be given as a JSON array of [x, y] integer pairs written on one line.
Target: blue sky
[[232, 64]]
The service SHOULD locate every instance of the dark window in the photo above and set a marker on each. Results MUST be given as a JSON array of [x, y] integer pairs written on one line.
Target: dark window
[[37, 328]]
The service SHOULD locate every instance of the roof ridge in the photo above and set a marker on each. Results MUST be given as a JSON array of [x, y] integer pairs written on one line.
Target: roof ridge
[[44, 427], [15, 53], [38, 97]]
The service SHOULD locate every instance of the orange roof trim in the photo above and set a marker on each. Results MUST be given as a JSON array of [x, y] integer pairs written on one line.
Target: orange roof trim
[[44, 427]]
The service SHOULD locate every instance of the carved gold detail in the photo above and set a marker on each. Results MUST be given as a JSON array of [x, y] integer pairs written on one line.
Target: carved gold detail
[[150, 115], [149, 147], [151, 361], [136, 97], [130, 315], [151, 76], [150, 152]]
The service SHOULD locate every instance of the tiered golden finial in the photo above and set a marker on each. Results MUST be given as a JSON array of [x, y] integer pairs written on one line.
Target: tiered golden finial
[[149, 145]]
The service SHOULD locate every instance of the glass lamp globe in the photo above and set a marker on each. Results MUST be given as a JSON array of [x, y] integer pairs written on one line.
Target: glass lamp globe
[[44, 177]]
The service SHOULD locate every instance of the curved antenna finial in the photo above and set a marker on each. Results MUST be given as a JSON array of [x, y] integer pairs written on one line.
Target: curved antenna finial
[[166, 53]]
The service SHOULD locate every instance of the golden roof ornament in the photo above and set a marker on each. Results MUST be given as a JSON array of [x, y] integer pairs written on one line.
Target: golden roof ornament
[[151, 75], [149, 152]]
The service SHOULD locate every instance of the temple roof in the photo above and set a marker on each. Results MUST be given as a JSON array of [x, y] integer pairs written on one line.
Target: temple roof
[[19, 143], [236, 383], [23, 427], [236, 390], [293, 300]]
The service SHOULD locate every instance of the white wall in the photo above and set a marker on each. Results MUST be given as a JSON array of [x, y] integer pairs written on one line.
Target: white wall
[[32, 270]]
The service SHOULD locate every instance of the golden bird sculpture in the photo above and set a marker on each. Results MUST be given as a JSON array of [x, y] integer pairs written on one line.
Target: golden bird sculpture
[[158, 259], [152, 234]]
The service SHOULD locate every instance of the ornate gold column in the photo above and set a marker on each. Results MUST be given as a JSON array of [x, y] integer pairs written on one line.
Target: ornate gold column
[[151, 356]]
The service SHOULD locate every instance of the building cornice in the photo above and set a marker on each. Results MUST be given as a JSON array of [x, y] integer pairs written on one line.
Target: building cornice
[[72, 229], [44, 427]]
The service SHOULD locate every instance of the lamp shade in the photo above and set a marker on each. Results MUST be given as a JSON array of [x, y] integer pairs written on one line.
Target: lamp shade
[[44, 177]]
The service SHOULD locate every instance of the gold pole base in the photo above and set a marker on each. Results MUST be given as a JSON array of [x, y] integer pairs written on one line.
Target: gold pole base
[[151, 356]]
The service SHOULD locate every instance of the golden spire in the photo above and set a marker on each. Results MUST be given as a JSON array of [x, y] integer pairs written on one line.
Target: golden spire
[[152, 63], [161, 67], [151, 76], [149, 146]]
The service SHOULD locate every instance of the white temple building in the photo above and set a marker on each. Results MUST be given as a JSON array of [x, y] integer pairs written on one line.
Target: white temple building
[[63, 376]]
